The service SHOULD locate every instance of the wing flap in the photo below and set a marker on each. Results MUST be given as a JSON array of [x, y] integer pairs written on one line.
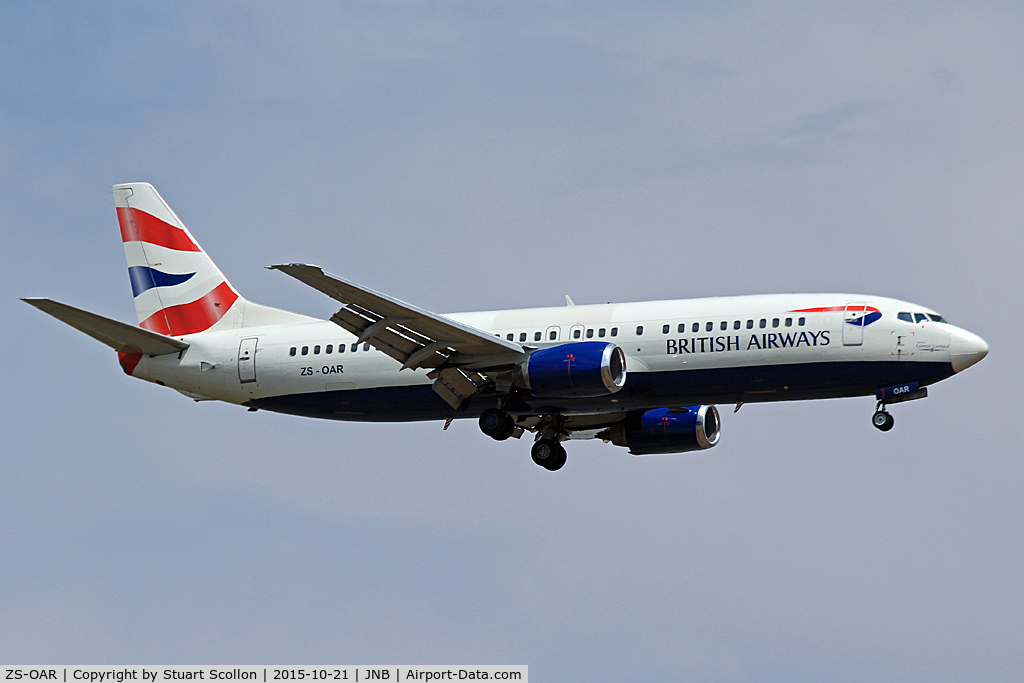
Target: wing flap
[[117, 335], [401, 330], [455, 386]]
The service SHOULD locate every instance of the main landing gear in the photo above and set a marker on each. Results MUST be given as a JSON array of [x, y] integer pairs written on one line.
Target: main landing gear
[[549, 454], [546, 452], [497, 424], [882, 419]]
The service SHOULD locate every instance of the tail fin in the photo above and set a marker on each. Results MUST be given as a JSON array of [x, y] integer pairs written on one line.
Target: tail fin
[[178, 289]]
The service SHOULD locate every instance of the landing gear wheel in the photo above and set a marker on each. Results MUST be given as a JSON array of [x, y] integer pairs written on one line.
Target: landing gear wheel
[[882, 420], [557, 460], [546, 454], [497, 424]]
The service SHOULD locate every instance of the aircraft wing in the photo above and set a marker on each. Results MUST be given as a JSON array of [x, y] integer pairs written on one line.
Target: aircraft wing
[[414, 337], [117, 335]]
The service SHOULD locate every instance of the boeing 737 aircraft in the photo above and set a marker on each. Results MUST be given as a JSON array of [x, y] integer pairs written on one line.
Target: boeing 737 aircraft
[[643, 375]]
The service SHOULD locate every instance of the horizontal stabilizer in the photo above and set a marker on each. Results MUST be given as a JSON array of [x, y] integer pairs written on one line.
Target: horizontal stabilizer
[[117, 335]]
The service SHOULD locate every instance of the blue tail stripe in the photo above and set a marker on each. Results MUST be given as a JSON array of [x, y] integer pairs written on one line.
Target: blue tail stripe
[[144, 278]]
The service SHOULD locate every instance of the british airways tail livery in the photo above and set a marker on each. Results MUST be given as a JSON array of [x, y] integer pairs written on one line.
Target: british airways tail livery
[[643, 375]]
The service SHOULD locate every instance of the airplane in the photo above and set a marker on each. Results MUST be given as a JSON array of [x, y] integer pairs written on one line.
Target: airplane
[[646, 376]]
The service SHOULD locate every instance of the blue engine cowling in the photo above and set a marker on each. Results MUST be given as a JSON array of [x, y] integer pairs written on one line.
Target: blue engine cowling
[[668, 430], [576, 369]]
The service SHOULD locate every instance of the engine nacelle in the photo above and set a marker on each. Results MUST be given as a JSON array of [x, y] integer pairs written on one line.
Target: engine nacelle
[[577, 369], [668, 430]]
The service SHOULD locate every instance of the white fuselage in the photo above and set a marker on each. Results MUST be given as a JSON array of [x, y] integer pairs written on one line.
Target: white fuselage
[[739, 348]]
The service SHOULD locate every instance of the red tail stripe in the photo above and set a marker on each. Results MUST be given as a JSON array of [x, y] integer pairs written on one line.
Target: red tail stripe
[[128, 361], [139, 226], [192, 317]]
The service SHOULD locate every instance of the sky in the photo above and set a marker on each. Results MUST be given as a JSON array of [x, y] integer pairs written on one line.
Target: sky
[[467, 156]]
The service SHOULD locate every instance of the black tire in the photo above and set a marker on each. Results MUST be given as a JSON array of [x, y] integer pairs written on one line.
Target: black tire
[[557, 461], [882, 421], [510, 427], [544, 452], [497, 424]]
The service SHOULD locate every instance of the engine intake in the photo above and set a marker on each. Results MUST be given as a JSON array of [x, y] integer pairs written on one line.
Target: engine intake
[[578, 369], [668, 430]]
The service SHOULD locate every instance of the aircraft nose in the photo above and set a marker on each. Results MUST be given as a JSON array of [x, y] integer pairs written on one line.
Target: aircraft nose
[[966, 349]]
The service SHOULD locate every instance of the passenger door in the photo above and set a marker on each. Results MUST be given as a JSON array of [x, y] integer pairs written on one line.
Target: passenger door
[[853, 324], [247, 360]]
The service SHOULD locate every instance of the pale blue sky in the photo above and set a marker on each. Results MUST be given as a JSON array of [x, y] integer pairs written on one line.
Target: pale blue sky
[[468, 156]]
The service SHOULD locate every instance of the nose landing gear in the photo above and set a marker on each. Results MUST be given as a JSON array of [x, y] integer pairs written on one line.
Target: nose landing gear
[[882, 420]]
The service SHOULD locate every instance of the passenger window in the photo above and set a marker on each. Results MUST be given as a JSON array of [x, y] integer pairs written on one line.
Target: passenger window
[[341, 348], [576, 334], [305, 350], [709, 326], [920, 317], [330, 349], [291, 352], [366, 347], [590, 333], [536, 336], [696, 327], [510, 336], [522, 336], [775, 322], [615, 331], [639, 330], [355, 347], [736, 325], [763, 324], [665, 329], [905, 317], [600, 332], [801, 321], [724, 326], [552, 335], [316, 350], [682, 328], [789, 322], [750, 324]]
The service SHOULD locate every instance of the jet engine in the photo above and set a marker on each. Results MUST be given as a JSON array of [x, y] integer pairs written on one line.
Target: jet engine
[[668, 430], [578, 369]]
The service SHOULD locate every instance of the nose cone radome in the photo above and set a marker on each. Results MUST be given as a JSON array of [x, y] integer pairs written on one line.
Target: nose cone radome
[[965, 349]]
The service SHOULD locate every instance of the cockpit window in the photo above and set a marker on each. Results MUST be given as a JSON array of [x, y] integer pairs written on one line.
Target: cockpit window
[[905, 317], [936, 318], [920, 318]]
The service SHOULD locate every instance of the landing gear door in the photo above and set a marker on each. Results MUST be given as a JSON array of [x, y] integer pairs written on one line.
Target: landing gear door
[[853, 324], [247, 360]]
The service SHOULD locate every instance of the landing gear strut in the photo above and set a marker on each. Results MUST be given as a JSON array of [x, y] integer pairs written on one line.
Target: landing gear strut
[[497, 424], [882, 419], [549, 454]]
